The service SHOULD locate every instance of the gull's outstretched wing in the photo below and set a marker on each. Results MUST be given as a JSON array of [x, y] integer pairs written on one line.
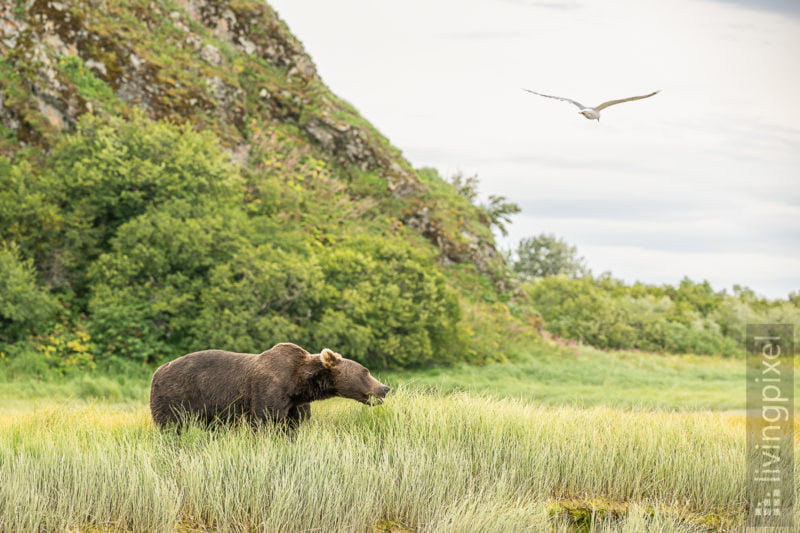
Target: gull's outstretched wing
[[614, 102], [573, 102]]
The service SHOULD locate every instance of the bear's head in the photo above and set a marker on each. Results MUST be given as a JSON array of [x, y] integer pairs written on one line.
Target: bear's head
[[351, 380]]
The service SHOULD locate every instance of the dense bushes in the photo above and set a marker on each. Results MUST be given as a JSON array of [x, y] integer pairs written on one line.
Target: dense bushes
[[24, 306], [64, 214], [388, 298], [144, 235], [691, 317], [382, 304]]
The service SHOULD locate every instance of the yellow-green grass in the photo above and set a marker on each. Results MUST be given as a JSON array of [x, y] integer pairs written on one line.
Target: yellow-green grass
[[419, 462], [570, 439]]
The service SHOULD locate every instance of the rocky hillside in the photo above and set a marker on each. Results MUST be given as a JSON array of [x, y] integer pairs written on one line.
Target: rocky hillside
[[175, 175], [231, 67]]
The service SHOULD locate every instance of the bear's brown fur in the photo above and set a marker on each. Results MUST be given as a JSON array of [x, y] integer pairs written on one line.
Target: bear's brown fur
[[277, 385]]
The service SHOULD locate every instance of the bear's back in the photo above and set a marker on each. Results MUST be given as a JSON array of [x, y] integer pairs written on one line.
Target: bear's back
[[199, 365]]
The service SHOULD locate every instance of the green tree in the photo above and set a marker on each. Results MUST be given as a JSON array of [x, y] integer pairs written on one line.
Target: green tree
[[606, 313], [546, 255], [111, 172], [496, 213], [465, 186], [499, 210]]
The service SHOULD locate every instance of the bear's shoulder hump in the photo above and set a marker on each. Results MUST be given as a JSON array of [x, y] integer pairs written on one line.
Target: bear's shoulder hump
[[286, 350]]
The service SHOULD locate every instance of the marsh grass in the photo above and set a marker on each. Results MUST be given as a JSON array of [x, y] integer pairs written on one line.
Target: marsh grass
[[430, 463]]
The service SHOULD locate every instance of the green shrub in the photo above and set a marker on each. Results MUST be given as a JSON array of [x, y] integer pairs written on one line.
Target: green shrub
[[61, 350], [261, 296], [30, 217], [391, 297], [22, 360], [66, 349], [25, 308], [89, 86], [158, 246], [573, 309], [111, 172]]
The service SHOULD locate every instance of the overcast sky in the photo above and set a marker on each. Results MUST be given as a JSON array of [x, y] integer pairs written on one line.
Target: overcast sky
[[702, 180]]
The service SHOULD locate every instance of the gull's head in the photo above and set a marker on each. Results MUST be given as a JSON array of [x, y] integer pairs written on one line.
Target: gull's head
[[589, 113]]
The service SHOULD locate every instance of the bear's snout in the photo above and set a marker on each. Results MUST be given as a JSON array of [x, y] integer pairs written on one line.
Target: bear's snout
[[378, 394]]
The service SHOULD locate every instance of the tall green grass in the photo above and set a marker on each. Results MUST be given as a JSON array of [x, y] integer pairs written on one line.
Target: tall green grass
[[585, 376], [426, 462], [549, 375]]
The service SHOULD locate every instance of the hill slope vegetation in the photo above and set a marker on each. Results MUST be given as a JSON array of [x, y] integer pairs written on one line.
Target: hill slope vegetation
[[175, 176]]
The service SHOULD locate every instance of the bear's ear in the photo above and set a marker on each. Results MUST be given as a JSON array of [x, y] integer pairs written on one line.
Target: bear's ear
[[329, 358]]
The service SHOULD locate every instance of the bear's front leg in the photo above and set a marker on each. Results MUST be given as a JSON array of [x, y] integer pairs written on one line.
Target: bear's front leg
[[298, 414], [287, 420], [263, 413]]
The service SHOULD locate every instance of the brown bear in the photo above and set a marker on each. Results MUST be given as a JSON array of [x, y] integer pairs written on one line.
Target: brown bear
[[277, 385]]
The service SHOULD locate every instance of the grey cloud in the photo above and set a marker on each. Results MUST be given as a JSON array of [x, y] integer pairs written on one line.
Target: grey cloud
[[786, 7]]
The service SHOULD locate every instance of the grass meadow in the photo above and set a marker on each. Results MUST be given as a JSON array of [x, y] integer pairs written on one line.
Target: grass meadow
[[434, 457]]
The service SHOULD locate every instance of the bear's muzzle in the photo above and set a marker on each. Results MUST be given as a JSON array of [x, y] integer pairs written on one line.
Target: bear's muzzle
[[377, 396]]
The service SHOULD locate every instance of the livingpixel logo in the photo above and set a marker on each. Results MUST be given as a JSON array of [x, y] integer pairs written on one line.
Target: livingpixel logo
[[771, 505], [770, 425]]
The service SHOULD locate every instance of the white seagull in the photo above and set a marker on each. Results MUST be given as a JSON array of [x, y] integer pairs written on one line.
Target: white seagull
[[593, 113]]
